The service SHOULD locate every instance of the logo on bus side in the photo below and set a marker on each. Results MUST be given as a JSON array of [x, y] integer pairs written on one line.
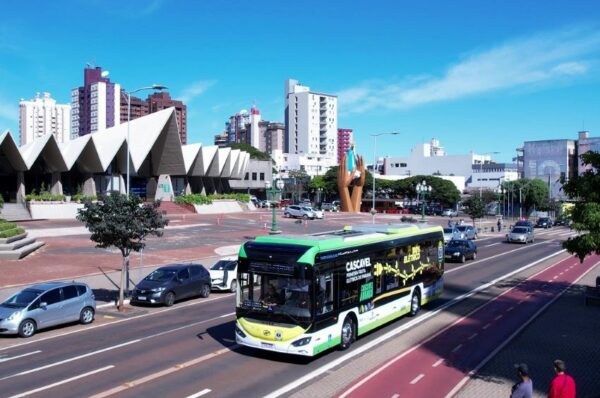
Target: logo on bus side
[[358, 269]]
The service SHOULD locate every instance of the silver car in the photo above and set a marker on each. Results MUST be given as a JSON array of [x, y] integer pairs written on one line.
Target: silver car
[[467, 231], [451, 234], [45, 305], [520, 235], [299, 212]]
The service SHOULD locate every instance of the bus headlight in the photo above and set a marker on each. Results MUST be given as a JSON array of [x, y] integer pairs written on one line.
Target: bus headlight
[[301, 342], [240, 332]]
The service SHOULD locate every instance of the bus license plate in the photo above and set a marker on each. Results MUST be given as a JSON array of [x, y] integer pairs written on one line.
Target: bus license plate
[[267, 345]]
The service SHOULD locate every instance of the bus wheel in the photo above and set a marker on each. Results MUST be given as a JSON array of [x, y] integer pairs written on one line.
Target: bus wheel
[[348, 333], [415, 303]]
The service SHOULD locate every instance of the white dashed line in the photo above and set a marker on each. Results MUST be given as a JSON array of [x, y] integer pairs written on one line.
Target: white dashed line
[[395, 396], [19, 356], [458, 347], [498, 317], [416, 379], [200, 393], [471, 337], [438, 363], [510, 309], [487, 326], [556, 277]]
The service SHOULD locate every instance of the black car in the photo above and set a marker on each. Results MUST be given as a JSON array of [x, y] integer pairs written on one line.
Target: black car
[[172, 282], [524, 223], [460, 250], [544, 222]]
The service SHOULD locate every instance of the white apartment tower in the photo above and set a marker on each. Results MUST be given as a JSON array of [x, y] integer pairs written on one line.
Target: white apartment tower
[[310, 121], [41, 116]]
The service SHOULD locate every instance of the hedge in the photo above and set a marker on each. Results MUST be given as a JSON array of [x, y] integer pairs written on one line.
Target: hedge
[[12, 232], [7, 225], [198, 199], [45, 197]]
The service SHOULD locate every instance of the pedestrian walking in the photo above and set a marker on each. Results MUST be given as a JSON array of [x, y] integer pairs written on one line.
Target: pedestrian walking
[[499, 225], [524, 387], [450, 224], [563, 385]]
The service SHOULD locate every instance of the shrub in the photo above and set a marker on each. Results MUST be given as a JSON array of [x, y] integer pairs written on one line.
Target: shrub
[[1, 202], [193, 199], [7, 225], [79, 197], [12, 232], [46, 197]]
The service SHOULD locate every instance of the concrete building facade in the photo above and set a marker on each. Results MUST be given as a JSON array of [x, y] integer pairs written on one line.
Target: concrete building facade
[[41, 116], [313, 165], [95, 106], [548, 160]]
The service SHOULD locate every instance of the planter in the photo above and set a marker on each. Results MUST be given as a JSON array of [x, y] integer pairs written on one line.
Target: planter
[[13, 238], [54, 210]]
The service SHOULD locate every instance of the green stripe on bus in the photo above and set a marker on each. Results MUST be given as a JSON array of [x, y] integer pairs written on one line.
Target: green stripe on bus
[[375, 324], [327, 345]]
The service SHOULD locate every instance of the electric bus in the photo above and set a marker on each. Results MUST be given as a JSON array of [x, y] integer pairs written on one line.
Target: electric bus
[[305, 294]]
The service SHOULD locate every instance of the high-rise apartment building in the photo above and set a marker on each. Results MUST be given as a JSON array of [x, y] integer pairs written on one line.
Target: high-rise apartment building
[[310, 121], [41, 116], [159, 101], [139, 107], [344, 142], [95, 106], [237, 127]]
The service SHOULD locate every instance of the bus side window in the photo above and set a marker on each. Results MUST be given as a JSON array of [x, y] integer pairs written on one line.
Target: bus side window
[[325, 294]]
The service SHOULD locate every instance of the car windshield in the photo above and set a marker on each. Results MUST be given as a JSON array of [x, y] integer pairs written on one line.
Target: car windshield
[[161, 275], [462, 228], [522, 223], [519, 230], [448, 230], [281, 295], [22, 299], [306, 208], [456, 243], [224, 265]]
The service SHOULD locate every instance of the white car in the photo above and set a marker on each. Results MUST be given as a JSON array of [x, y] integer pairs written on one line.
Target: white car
[[298, 211], [223, 274], [318, 213]]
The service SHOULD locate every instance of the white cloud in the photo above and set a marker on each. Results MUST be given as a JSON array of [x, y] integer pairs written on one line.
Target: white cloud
[[540, 59], [195, 89]]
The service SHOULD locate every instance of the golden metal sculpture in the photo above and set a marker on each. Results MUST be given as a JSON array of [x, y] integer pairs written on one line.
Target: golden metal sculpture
[[351, 175]]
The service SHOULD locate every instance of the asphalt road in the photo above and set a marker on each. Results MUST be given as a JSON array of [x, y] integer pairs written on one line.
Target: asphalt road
[[189, 350]]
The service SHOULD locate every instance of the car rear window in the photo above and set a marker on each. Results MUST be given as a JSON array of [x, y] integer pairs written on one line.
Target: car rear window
[[69, 292], [81, 289]]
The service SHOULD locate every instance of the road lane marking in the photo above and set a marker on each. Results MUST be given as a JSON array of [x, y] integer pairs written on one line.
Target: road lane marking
[[486, 326], [395, 396], [515, 333], [471, 337], [492, 244], [164, 372], [89, 354], [510, 309], [65, 381], [416, 379], [200, 393], [374, 343], [19, 356], [438, 363], [458, 347], [498, 318]]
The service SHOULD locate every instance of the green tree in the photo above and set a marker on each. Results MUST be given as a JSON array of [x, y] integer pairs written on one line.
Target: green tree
[[442, 191], [122, 222], [535, 195], [474, 207], [254, 153], [584, 190]]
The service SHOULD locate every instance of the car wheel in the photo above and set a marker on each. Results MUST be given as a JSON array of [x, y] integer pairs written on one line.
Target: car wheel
[[233, 286], [305, 217], [286, 215], [415, 302], [27, 328], [474, 255], [169, 299], [205, 291], [463, 258], [348, 334], [86, 316]]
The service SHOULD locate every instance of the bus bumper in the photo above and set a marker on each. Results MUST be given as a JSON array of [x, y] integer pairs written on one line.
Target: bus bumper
[[300, 346]]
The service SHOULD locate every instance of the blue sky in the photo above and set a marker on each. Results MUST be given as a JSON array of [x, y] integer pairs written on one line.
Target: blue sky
[[478, 75]]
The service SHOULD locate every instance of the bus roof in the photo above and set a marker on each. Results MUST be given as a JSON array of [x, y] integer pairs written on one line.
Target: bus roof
[[349, 236]]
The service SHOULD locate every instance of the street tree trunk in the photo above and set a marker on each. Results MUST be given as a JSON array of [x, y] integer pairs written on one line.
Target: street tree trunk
[[121, 304]]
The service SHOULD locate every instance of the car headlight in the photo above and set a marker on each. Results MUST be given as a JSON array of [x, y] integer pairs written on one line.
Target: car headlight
[[14, 316], [456, 254], [239, 332], [301, 342], [157, 289]]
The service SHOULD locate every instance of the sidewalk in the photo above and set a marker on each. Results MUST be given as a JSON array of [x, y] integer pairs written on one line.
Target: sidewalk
[[567, 330]]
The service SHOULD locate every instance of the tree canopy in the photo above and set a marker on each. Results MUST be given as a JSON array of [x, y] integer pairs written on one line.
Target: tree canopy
[[534, 193], [123, 222], [584, 190], [475, 207], [254, 153]]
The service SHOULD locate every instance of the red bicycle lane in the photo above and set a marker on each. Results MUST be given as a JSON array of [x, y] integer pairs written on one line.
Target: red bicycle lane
[[440, 365]]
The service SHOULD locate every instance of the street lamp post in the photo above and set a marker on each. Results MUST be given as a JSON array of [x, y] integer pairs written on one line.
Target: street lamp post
[[422, 190], [152, 87], [373, 211], [481, 169], [274, 189]]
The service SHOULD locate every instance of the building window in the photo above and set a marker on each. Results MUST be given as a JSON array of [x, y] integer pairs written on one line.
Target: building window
[[247, 176], [253, 176], [262, 176]]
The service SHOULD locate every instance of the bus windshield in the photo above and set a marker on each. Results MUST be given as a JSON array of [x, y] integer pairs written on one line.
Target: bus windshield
[[276, 294]]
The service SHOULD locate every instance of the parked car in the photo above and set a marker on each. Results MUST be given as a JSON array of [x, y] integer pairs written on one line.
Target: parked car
[[172, 282], [544, 222], [561, 221], [451, 234], [467, 231], [45, 305], [223, 274], [520, 234], [460, 250], [449, 213], [299, 211], [329, 207], [318, 213]]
